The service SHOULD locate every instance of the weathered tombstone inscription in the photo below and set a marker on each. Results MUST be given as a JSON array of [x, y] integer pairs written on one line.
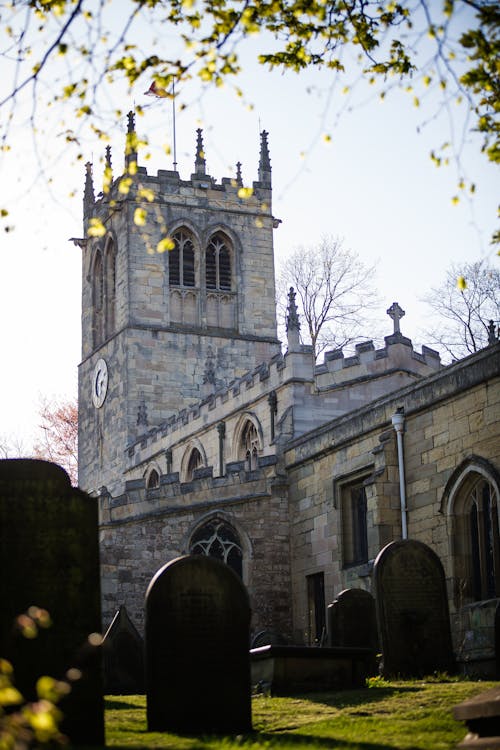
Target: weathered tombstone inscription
[[123, 652], [352, 622], [412, 610], [197, 648], [49, 558]]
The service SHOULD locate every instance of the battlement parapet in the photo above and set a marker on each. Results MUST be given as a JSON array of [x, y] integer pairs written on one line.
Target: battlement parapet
[[369, 361], [252, 385], [167, 186], [367, 364]]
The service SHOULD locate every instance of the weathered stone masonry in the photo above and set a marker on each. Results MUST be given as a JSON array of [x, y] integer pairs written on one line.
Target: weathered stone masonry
[[195, 426]]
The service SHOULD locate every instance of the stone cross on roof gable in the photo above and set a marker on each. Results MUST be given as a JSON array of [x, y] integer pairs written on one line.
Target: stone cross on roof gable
[[396, 313]]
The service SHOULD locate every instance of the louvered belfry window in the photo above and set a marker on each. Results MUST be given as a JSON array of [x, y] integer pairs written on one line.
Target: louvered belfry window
[[181, 261], [218, 264]]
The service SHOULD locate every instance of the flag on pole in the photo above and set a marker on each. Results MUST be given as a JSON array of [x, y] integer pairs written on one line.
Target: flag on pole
[[156, 90]]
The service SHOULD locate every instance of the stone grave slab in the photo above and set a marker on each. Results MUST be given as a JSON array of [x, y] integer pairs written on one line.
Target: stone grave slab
[[482, 717], [123, 652], [288, 670], [352, 622], [197, 648], [49, 558], [412, 610]]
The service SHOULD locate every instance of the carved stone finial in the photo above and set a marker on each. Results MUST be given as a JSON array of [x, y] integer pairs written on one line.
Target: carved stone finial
[[88, 193], [200, 163], [239, 180], [108, 172], [264, 160], [130, 122], [292, 323], [493, 333], [130, 142], [396, 313], [292, 318]]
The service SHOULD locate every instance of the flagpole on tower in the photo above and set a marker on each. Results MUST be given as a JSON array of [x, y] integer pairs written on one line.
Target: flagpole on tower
[[173, 118], [160, 93]]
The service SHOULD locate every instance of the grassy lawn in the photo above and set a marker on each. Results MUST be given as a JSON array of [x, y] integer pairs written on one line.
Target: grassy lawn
[[414, 715]]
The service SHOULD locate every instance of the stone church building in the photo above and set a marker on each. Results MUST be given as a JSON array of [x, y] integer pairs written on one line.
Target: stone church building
[[200, 433]]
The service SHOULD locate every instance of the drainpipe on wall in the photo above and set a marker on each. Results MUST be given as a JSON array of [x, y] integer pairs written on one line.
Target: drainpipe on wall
[[398, 422]]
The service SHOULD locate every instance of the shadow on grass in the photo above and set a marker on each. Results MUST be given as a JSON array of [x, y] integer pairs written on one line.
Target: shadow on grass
[[280, 737], [258, 740], [349, 698], [114, 704]]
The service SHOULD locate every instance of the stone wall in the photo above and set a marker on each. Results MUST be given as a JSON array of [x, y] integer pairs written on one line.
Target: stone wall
[[159, 360], [450, 416], [139, 533]]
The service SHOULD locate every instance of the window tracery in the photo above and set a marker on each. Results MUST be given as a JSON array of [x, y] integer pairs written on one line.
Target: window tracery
[[475, 537], [110, 287], [218, 264], [98, 300], [103, 293], [218, 539], [250, 445], [181, 260], [481, 520]]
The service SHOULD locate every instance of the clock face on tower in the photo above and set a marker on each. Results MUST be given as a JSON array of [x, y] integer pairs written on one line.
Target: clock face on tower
[[99, 383]]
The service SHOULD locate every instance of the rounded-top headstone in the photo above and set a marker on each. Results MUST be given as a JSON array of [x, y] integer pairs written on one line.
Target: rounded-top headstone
[[412, 610], [49, 559], [197, 648]]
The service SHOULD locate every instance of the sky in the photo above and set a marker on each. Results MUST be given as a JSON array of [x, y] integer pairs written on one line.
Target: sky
[[370, 183]]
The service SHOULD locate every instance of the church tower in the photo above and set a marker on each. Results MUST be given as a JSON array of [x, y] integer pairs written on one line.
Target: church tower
[[178, 299]]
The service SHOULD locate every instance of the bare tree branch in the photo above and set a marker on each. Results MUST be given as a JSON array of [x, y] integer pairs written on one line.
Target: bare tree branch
[[334, 292], [462, 315]]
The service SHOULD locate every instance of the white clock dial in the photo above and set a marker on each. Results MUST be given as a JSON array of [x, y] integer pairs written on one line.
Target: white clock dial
[[99, 383]]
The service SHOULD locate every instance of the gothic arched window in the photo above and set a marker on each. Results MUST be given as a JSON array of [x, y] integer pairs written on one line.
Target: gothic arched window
[[218, 264], [181, 260], [250, 445], [195, 462], [98, 300], [218, 539], [476, 538], [110, 287]]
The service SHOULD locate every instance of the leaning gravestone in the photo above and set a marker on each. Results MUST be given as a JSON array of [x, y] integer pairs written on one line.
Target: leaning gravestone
[[352, 622], [49, 560], [197, 654], [123, 652], [412, 610]]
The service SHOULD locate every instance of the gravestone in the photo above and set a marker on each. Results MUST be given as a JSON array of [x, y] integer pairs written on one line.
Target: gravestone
[[197, 648], [268, 638], [123, 652], [482, 717], [352, 622], [49, 559], [412, 610]]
